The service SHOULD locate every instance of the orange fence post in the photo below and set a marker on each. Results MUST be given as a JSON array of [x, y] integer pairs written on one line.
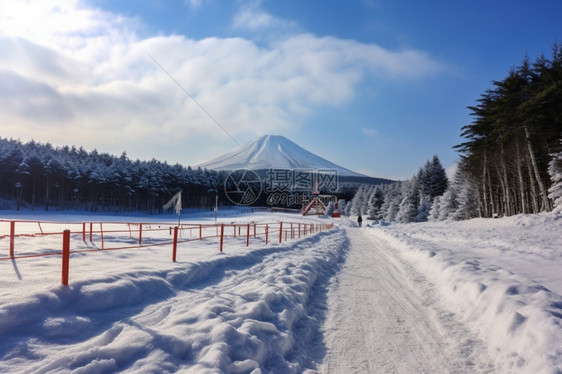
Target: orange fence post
[[140, 233], [266, 233], [222, 236], [200, 232], [248, 235], [234, 229], [91, 232], [65, 256], [175, 245], [255, 231], [280, 232], [12, 237], [299, 230], [84, 232]]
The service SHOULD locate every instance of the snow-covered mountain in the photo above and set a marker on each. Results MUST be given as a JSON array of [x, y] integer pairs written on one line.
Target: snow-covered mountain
[[273, 152]]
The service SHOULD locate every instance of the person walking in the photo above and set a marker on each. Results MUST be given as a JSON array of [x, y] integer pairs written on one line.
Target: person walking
[[359, 220]]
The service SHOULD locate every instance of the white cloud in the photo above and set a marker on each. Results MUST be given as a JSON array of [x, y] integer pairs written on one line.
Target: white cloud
[[72, 74], [253, 18]]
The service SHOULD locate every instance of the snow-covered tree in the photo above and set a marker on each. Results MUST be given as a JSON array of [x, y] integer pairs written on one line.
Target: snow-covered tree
[[359, 201], [375, 203], [391, 203], [424, 208], [330, 208], [408, 208], [70, 177], [448, 204], [341, 206], [434, 211], [467, 203], [432, 178], [347, 209]]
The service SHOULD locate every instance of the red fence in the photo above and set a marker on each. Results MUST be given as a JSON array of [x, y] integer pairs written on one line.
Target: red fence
[[104, 236]]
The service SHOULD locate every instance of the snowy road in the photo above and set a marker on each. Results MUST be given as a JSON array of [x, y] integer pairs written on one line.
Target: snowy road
[[383, 317]]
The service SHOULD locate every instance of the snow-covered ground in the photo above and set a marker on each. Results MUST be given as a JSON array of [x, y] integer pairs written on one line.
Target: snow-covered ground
[[501, 278], [476, 296]]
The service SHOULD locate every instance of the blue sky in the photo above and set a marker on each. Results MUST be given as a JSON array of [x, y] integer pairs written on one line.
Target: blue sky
[[375, 86]]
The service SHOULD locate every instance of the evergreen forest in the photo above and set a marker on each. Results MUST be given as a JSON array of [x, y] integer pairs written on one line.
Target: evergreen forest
[[510, 159], [516, 130], [39, 176]]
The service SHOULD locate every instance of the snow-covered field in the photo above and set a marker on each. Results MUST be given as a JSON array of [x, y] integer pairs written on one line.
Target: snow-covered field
[[476, 296]]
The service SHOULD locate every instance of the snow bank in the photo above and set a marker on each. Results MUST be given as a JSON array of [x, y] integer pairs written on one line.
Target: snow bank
[[500, 277], [246, 310]]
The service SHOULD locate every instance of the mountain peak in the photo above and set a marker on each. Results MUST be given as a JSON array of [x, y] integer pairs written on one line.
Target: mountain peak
[[273, 152]]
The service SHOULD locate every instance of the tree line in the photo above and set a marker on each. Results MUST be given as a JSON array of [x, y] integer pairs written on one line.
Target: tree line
[[39, 175], [510, 162], [406, 201], [516, 130], [430, 196]]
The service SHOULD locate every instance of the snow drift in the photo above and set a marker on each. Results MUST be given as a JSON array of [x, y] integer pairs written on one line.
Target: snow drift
[[135, 311]]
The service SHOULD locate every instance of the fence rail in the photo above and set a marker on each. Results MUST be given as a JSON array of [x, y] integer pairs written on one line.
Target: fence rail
[[109, 236]]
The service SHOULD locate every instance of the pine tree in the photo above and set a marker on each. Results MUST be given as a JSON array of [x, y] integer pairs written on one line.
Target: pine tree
[[432, 178], [516, 126], [407, 210], [434, 211], [424, 208], [467, 203], [347, 210], [408, 207], [448, 204], [375, 203], [391, 203], [358, 203]]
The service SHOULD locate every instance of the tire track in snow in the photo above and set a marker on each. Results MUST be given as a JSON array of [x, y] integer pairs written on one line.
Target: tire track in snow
[[383, 317]]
